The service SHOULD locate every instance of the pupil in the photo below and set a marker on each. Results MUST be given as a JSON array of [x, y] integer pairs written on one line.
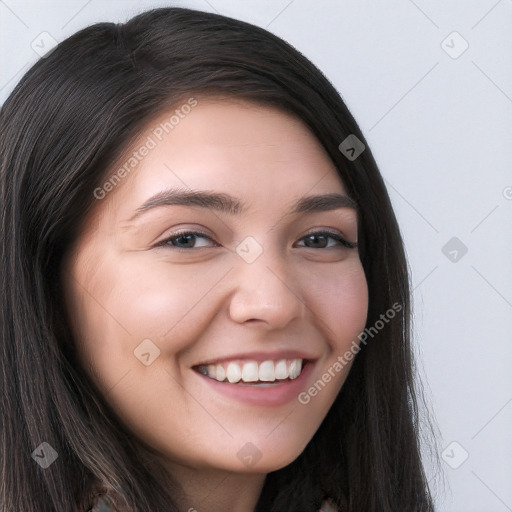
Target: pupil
[[183, 237], [315, 238]]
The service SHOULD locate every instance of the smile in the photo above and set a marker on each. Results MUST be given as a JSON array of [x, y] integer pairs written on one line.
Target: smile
[[252, 371], [286, 378]]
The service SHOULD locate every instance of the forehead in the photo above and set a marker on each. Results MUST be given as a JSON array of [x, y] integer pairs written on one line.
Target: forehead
[[251, 151]]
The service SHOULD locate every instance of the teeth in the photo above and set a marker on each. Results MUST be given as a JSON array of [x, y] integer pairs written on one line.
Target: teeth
[[234, 372], [294, 370], [251, 371], [220, 373], [266, 371], [212, 370], [281, 369]]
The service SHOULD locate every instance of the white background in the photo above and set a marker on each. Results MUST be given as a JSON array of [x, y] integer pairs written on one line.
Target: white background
[[440, 129]]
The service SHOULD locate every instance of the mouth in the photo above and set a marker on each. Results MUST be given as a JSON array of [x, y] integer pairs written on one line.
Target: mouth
[[254, 373], [265, 383]]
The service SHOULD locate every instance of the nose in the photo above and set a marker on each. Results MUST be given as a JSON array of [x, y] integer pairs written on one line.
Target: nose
[[265, 291]]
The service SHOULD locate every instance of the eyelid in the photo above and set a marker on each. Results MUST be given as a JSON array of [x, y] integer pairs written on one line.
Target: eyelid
[[334, 233], [164, 242]]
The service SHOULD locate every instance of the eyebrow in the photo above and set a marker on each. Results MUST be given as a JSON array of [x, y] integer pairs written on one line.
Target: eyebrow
[[226, 203]]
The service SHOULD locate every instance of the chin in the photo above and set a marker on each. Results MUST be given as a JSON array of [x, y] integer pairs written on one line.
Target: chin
[[268, 458]]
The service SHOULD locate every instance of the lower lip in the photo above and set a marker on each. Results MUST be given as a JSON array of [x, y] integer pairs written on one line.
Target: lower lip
[[272, 395]]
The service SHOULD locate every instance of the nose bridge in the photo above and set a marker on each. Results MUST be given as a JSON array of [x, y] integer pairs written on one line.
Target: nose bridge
[[263, 287]]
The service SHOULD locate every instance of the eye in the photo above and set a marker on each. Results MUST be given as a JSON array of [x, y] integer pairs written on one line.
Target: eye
[[316, 240], [319, 240], [184, 240]]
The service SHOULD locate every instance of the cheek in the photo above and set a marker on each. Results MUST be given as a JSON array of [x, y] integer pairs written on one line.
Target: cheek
[[166, 302], [338, 300], [123, 302], [142, 300], [337, 295], [118, 304]]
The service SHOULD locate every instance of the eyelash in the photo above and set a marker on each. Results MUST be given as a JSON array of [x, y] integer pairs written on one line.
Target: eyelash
[[330, 234]]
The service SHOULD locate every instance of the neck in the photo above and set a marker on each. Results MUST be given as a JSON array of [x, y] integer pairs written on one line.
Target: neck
[[218, 491]]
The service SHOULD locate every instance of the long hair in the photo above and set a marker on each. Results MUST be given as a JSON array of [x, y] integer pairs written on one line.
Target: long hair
[[69, 118]]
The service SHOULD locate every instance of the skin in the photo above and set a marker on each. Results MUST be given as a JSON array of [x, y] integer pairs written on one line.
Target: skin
[[206, 301]]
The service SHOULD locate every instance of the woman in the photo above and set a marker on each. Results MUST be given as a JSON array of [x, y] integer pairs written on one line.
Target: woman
[[205, 297]]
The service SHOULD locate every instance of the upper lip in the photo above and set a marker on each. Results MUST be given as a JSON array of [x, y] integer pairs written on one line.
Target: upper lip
[[261, 356]]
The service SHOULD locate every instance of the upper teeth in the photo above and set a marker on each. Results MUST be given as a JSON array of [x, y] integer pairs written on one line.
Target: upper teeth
[[251, 371]]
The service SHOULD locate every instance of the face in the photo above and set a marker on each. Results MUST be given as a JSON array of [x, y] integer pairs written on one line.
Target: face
[[214, 326]]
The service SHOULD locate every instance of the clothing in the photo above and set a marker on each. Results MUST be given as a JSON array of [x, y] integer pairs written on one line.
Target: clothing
[[104, 499], [328, 505], [104, 504]]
